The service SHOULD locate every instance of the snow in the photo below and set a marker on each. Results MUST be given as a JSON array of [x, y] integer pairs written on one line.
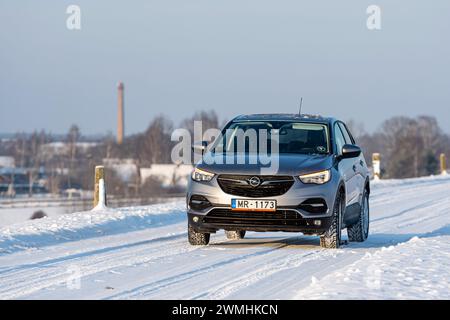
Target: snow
[[6, 161], [21, 208], [142, 253], [61, 147], [73, 227], [101, 205], [125, 168], [168, 174], [416, 269], [9, 216]]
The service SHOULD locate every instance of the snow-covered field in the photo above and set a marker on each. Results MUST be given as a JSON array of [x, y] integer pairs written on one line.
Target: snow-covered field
[[142, 253], [9, 216]]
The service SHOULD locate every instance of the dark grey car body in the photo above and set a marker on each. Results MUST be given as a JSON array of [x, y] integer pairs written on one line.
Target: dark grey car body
[[300, 206]]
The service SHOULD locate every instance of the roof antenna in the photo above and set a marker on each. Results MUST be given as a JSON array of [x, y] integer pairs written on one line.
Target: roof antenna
[[300, 109]]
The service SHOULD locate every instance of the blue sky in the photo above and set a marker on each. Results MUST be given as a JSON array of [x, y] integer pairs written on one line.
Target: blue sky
[[234, 56]]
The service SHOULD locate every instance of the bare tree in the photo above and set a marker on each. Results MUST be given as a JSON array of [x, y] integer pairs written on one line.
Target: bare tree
[[155, 144], [72, 139], [410, 146], [356, 128], [209, 120]]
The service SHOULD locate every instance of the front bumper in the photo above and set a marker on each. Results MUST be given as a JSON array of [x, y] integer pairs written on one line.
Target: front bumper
[[281, 220], [289, 216]]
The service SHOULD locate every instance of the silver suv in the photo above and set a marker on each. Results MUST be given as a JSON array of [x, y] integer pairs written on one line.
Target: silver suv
[[321, 184]]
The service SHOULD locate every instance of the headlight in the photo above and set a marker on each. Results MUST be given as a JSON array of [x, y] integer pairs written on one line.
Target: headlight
[[317, 177], [200, 175]]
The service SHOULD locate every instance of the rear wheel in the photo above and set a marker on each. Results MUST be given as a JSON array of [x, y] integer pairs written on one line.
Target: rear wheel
[[331, 239], [360, 230], [235, 235], [197, 238]]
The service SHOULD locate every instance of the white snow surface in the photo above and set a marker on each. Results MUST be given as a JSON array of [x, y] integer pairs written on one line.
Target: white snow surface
[[142, 253]]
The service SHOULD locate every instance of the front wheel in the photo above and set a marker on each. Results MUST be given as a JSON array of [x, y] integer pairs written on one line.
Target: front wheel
[[331, 239], [197, 238], [360, 230], [235, 235]]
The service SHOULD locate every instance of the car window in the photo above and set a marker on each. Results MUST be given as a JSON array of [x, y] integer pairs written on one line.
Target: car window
[[347, 136], [350, 134], [294, 137], [339, 137]]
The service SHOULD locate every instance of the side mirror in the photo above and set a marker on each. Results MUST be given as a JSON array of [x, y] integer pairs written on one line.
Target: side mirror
[[199, 147], [350, 151]]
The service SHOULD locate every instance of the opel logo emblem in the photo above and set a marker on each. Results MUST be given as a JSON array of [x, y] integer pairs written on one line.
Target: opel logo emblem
[[254, 181]]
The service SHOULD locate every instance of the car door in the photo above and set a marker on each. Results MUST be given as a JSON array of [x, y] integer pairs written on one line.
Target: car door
[[359, 164], [346, 167]]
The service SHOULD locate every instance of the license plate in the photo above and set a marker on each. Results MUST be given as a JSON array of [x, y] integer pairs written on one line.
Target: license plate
[[253, 205]]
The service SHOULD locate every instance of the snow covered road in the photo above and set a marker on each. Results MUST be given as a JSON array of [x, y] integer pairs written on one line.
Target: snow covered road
[[142, 253]]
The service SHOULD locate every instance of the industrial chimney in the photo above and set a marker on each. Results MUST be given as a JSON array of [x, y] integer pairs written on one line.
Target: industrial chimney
[[120, 114]]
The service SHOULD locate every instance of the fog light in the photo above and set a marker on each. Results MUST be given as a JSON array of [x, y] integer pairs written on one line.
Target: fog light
[[198, 202], [317, 222], [195, 219]]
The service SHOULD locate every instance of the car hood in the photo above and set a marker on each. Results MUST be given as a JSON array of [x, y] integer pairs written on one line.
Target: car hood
[[288, 164]]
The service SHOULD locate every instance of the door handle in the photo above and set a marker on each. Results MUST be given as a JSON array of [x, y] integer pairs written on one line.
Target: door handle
[[361, 163], [354, 167]]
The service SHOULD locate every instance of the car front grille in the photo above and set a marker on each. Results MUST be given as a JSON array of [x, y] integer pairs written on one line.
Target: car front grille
[[243, 219], [269, 186]]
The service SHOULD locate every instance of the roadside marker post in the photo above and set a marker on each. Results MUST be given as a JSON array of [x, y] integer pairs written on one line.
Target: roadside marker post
[[99, 188], [443, 164], [376, 164]]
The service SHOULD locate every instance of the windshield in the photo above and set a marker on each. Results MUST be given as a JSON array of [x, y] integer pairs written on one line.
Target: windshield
[[294, 137]]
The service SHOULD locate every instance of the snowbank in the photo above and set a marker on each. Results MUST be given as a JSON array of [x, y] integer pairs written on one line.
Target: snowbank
[[416, 269], [415, 181], [82, 225]]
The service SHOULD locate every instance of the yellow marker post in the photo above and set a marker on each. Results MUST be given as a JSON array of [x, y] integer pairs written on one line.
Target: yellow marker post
[[443, 164], [376, 164], [99, 186]]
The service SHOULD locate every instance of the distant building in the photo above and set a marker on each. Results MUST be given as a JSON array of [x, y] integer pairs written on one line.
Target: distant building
[[17, 181], [62, 148], [7, 162], [168, 174], [126, 169]]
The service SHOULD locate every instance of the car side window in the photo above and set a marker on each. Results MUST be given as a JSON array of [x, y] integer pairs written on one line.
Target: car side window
[[346, 134], [350, 134], [339, 137]]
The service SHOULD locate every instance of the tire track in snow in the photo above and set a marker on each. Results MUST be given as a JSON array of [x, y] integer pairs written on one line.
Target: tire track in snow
[[80, 254], [36, 276], [224, 290], [151, 287]]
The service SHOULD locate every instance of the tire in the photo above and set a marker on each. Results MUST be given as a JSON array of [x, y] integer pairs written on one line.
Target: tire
[[360, 230], [197, 238], [235, 235], [331, 239]]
